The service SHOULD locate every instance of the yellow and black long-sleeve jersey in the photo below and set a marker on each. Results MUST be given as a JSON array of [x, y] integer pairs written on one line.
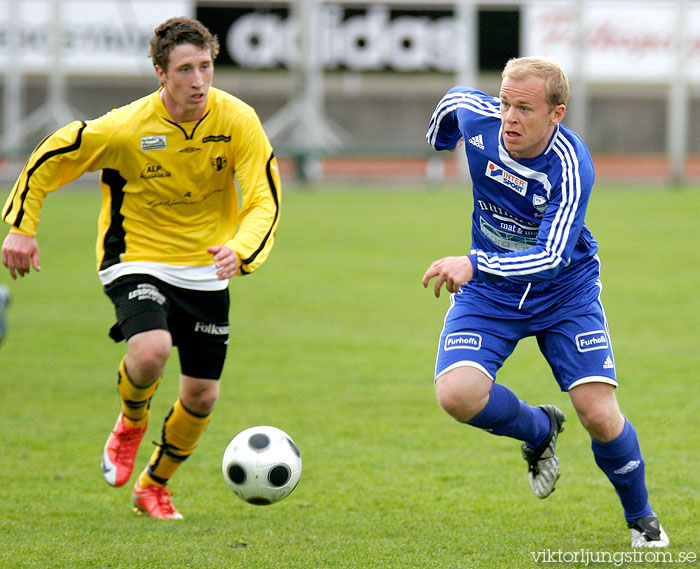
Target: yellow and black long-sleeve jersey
[[168, 189]]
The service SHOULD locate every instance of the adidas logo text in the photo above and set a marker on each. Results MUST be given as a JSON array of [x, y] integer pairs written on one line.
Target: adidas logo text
[[477, 141], [608, 363]]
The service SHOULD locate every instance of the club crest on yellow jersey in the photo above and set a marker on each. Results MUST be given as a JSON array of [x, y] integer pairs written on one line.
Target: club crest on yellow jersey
[[219, 163], [155, 142]]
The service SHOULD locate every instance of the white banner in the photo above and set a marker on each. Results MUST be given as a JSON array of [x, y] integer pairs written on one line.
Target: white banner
[[97, 37], [623, 41], [374, 36]]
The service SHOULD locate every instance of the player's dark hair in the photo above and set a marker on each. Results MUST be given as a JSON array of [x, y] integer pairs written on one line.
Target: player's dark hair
[[177, 31], [556, 84]]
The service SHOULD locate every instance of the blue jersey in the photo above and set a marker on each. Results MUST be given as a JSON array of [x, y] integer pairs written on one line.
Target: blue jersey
[[528, 220]]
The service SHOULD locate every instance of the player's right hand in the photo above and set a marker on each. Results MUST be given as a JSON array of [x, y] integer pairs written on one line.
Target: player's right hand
[[19, 253], [453, 272]]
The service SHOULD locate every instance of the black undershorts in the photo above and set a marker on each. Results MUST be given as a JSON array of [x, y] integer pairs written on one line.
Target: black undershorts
[[197, 320]]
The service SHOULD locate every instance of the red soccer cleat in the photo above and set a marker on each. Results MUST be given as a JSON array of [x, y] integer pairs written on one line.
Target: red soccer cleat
[[154, 501], [120, 452]]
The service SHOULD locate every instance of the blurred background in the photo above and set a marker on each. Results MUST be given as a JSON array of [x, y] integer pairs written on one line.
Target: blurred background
[[345, 89]]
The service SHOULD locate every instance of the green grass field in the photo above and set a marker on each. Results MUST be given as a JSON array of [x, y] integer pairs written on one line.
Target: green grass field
[[334, 341]]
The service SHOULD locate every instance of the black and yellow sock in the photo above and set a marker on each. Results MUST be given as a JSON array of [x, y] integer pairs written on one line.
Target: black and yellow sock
[[135, 400], [181, 432]]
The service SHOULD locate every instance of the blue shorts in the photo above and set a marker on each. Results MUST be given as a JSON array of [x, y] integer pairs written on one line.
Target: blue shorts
[[485, 322]]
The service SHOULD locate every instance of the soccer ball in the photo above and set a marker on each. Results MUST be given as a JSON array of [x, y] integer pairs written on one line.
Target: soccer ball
[[262, 465]]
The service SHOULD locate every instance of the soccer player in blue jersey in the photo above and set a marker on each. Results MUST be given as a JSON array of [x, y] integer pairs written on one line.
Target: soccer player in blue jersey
[[532, 271]]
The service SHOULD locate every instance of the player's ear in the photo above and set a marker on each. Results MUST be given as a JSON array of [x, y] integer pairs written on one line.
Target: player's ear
[[160, 74], [558, 113]]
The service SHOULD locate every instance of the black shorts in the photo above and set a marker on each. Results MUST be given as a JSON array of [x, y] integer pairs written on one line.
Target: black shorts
[[197, 320]]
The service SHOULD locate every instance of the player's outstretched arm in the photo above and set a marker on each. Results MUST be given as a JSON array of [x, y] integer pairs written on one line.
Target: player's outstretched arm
[[453, 272], [19, 253]]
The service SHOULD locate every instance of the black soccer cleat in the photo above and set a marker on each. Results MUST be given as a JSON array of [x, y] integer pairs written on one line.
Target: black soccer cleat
[[543, 462], [647, 532]]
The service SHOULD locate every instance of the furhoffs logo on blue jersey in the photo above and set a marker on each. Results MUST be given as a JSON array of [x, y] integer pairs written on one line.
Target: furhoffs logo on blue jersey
[[596, 340], [495, 172], [463, 341]]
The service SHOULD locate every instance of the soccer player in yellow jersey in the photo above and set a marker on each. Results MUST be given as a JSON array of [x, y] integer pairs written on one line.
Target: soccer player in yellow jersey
[[171, 234]]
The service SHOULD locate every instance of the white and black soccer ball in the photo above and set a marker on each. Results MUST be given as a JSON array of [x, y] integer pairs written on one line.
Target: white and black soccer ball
[[262, 465]]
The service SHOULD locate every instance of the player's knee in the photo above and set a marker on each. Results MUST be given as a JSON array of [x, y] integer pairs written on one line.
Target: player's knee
[[597, 410], [147, 355], [152, 359], [601, 423], [202, 405], [460, 397], [450, 402], [199, 396]]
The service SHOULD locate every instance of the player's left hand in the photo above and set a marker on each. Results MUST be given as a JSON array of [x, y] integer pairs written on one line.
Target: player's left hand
[[226, 261], [453, 272], [459, 144]]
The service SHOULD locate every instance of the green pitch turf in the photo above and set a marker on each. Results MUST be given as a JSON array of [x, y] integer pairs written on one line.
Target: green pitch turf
[[333, 340]]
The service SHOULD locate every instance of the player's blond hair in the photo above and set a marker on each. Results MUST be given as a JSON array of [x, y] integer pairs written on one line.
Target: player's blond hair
[[177, 31], [556, 84]]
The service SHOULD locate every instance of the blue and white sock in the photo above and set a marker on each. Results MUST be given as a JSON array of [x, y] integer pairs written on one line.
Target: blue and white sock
[[621, 460], [508, 416]]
